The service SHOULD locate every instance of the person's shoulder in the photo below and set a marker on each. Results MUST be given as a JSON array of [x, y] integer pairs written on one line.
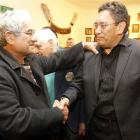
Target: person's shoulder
[[89, 54], [134, 46], [134, 42]]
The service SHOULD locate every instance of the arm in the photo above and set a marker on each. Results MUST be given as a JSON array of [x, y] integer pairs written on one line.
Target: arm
[[62, 59], [66, 59], [75, 90], [19, 113]]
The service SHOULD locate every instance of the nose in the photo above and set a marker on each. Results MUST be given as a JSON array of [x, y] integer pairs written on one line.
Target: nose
[[98, 30], [34, 39]]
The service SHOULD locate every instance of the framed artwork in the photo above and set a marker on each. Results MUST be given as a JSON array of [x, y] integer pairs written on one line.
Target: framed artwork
[[135, 28], [138, 17], [88, 31], [137, 38], [88, 39]]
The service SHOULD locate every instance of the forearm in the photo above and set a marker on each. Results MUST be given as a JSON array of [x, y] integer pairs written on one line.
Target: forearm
[[62, 60], [75, 89]]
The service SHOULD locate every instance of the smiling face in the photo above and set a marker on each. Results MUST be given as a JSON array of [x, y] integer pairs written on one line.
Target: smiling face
[[20, 42], [16, 33]]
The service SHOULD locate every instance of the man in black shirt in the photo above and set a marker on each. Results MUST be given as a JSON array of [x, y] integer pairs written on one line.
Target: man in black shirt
[[111, 79]]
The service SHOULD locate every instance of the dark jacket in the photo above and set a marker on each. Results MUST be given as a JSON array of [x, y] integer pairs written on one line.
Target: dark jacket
[[25, 111], [63, 80], [126, 88]]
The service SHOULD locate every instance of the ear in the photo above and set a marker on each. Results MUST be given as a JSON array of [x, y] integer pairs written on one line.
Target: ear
[[9, 37], [121, 26]]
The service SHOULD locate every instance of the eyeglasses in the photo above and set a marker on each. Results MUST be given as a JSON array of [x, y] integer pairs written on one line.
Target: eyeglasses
[[102, 25], [29, 32]]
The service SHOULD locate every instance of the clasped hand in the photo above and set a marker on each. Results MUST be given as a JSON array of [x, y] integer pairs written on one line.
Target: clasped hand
[[63, 106]]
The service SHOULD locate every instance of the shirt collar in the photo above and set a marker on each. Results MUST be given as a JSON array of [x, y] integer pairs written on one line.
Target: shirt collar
[[125, 42], [8, 58]]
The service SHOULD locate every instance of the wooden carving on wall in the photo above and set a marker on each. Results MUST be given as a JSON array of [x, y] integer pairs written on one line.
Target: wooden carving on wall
[[56, 28]]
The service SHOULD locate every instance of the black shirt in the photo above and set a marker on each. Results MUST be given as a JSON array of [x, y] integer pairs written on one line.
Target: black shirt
[[105, 108]]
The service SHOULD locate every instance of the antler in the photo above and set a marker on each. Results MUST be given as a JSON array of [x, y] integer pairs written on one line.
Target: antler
[[48, 16], [46, 12], [73, 19]]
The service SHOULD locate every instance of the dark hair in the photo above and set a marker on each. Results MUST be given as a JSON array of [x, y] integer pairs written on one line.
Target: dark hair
[[48, 27], [70, 38], [118, 11]]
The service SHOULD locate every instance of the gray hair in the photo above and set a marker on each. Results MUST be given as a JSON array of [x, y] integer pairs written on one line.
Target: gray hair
[[14, 21], [118, 11], [46, 34]]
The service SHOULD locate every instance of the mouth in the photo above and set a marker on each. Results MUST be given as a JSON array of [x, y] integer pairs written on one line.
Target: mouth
[[32, 43], [98, 38]]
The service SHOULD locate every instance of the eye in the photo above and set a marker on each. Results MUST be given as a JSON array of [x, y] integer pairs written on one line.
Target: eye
[[30, 32], [103, 26], [95, 25], [37, 46]]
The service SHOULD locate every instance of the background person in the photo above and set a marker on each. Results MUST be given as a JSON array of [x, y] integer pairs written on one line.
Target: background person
[[58, 83], [70, 42], [47, 44], [74, 129]]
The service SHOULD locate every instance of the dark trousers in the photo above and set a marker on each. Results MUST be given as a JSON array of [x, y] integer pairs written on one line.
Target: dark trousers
[[67, 134], [102, 129]]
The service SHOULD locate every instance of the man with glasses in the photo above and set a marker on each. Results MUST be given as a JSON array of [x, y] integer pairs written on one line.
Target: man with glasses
[[112, 78], [25, 110]]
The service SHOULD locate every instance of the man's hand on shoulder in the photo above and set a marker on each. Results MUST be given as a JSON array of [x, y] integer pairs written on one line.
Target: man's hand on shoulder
[[91, 46]]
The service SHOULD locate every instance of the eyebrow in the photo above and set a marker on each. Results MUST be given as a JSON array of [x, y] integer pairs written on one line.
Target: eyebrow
[[100, 22]]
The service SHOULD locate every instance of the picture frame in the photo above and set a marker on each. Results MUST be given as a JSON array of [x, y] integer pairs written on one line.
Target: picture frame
[[138, 16], [88, 39], [137, 38], [88, 31], [135, 28]]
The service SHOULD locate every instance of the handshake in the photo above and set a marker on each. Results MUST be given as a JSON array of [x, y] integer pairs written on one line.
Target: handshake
[[63, 106]]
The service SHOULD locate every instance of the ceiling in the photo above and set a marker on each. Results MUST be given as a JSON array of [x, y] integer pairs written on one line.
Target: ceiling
[[90, 3]]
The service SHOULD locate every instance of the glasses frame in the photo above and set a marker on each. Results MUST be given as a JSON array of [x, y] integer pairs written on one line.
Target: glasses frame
[[102, 25], [29, 32]]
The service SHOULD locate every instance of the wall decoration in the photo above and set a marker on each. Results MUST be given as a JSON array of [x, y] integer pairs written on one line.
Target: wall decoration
[[138, 17], [56, 28], [4, 8], [135, 28], [88, 39], [137, 38], [88, 31]]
